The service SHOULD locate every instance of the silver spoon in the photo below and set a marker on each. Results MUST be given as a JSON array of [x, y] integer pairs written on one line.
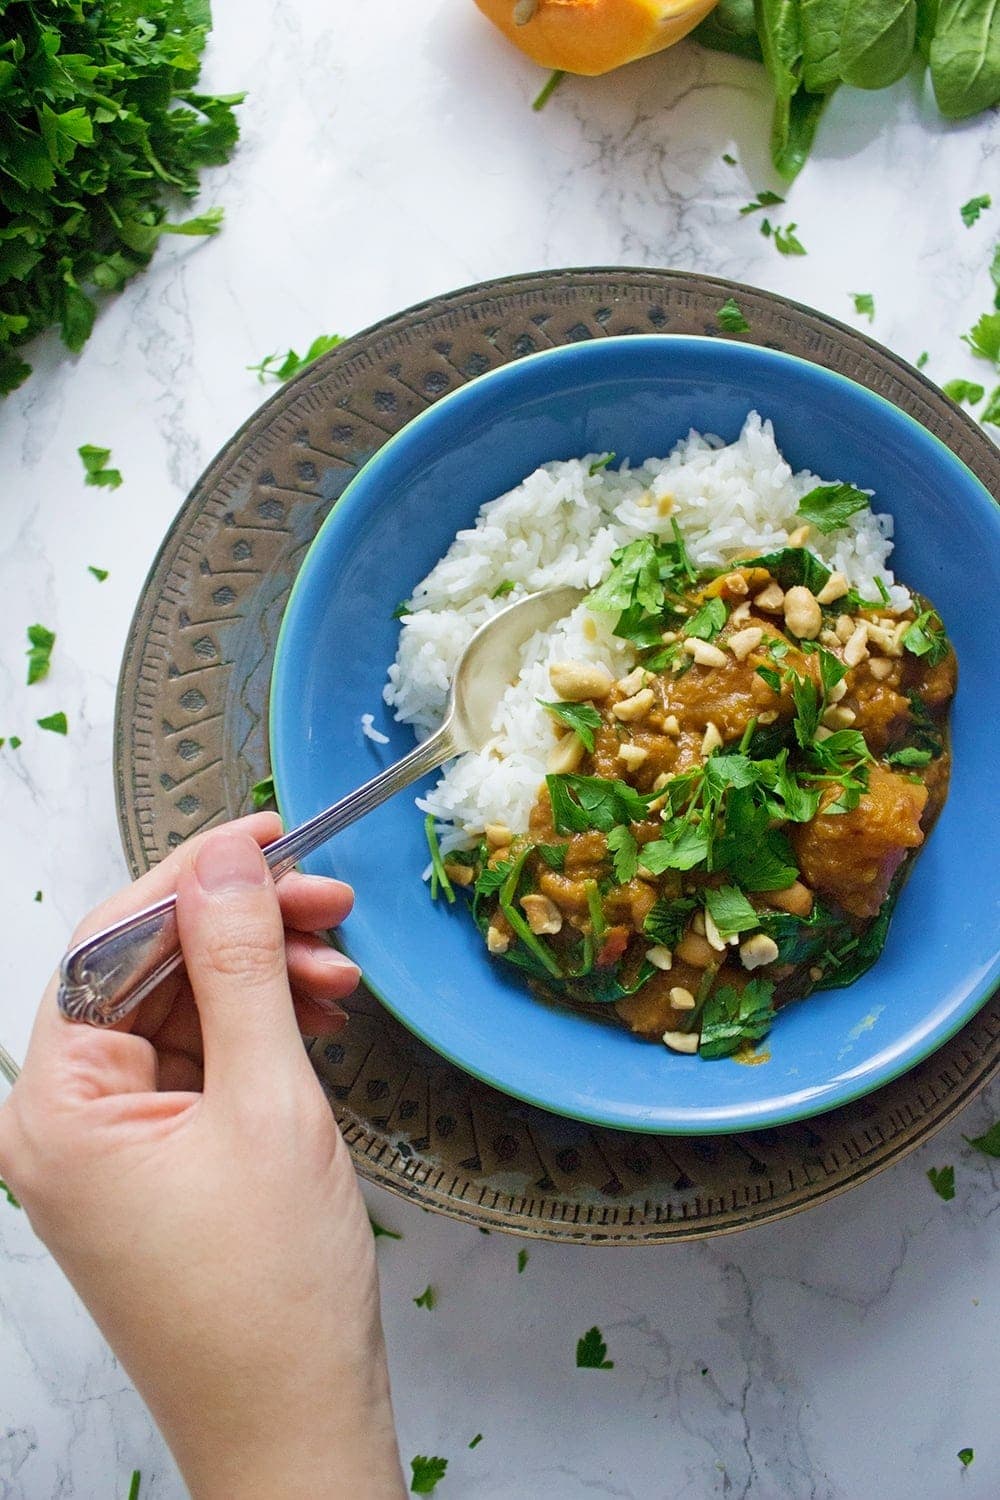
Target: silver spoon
[[103, 978]]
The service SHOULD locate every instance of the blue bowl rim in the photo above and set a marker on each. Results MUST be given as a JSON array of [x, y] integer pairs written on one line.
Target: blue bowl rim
[[340, 515]]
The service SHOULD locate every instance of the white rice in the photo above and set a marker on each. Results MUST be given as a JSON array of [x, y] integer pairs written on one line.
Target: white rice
[[560, 526], [370, 732]]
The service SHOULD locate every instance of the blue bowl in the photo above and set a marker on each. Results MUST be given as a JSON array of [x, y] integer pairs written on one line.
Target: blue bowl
[[426, 961]]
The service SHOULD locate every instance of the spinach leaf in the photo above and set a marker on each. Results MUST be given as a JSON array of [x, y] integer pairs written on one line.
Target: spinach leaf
[[927, 15], [732, 1017], [604, 986], [965, 57], [792, 140], [730, 27], [667, 919], [822, 22], [876, 42], [851, 956], [803, 940]]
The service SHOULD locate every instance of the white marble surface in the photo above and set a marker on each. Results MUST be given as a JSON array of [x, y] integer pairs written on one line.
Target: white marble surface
[[388, 155]]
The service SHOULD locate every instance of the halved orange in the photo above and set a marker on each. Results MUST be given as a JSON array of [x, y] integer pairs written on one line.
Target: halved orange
[[593, 36]]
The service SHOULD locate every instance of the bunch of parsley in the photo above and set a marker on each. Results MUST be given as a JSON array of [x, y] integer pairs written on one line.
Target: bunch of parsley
[[100, 124]]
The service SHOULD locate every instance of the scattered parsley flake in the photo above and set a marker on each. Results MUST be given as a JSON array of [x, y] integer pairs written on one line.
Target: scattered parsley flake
[[984, 337], [99, 573], [787, 242], [39, 653], [991, 411], [988, 1143], [403, 608], [864, 305], [8, 1194], [262, 792], [591, 1352], [970, 211], [730, 317], [965, 1456], [476, 1440], [427, 1298], [522, 1261], [505, 587], [830, 506], [942, 1180], [764, 199], [765, 228], [56, 723], [38, 895], [730, 161], [282, 367], [964, 390], [922, 359], [553, 81], [95, 467], [601, 463], [379, 1231], [133, 1489], [426, 1474], [15, 742]]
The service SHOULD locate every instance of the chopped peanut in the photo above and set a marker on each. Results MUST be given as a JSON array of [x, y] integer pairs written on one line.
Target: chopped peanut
[[803, 615], [838, 691], [659, 957], [839, 717], [745, 641], [498, 835], [671, 726], [459, 874], [543, 915], [705, 654], [681, 999], [758, 950], [681, 1041], [576, 681], [632, 755], [713, 934], [497, 942], [835, 587], [735, 586], [880, 667], [635, 680], [740, 613], [566, 754], [856, 648], [636, 707], [844, 628], [711, 739], [799, 536], [771, 600]]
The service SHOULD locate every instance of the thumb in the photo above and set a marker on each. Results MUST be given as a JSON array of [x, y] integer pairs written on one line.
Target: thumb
[[233, 940]]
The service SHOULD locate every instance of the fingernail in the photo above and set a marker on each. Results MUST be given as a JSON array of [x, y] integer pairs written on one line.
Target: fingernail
[[330, 1007], [229, 861]]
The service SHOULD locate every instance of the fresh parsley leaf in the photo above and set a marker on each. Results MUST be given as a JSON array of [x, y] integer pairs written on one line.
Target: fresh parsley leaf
[[772, 678], [623, 846], [764, 199], [582, 802], [262, 792], [984, 337], [730, 316], [965, 1457], [478, 1437], [757, 856], [964, 390], [591, 1352], [864, 305], [793, 565], [723, 770], [708, 620], [379, 1231], [581, 717], [787, 242], [427, 1298], [95, 470], [970, 211], [667, 918], [554, 855], [522, 1261], [683, 846], [403, 608], [282, 367], [426, 1474], [553, 81], [732, 1017], [55, 723], [490, 880], [766, 228], [507, 586], [99, 573], [601, 463], [922, 359], [926, 637], [40, 643], [991, 411], [942, 1180], [8, 1195], [830, 506], [988, 1143], [831, 671], [730, 910], [634, 579], [908, 756], [808, 706], [136, 1481]]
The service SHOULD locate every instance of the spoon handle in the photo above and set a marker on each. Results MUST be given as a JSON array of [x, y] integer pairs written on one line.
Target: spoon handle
[[103, 979]]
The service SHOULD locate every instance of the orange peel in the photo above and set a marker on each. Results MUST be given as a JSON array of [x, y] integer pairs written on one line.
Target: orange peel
[[593, 36]]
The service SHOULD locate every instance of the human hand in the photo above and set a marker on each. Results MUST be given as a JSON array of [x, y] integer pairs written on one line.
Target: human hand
[[186, 1172]]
